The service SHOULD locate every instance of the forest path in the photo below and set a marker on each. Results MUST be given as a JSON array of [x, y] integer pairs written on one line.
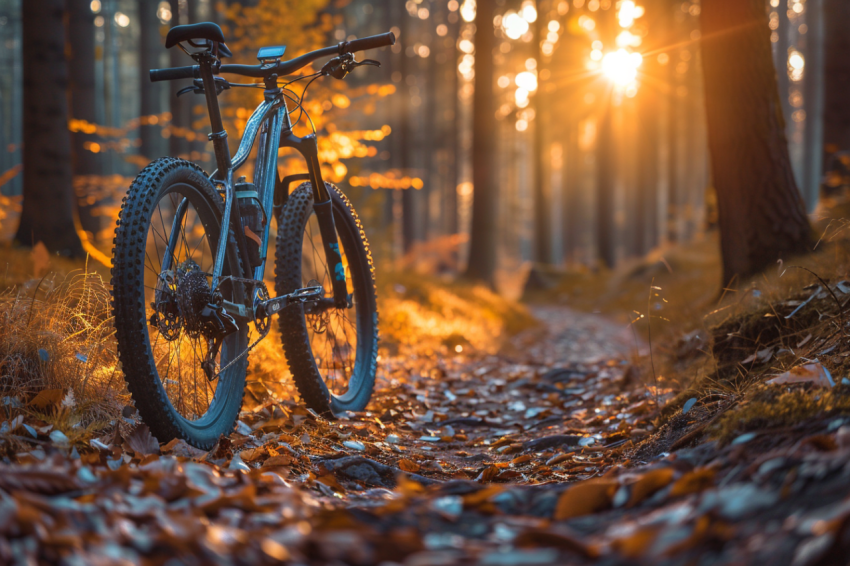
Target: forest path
[[541, 454]]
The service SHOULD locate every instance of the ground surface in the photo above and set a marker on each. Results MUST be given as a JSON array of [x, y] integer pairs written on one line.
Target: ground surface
[[543, 454]]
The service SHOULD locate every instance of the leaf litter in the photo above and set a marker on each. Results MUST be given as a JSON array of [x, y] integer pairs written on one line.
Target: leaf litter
[[548, 452]]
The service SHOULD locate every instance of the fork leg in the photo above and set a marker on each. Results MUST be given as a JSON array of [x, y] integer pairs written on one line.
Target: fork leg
[[323, 206]]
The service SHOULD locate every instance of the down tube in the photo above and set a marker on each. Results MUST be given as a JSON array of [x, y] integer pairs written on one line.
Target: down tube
[[266, 174]]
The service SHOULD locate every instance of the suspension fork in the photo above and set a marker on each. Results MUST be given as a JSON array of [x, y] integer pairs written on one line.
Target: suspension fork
[[323, 207]]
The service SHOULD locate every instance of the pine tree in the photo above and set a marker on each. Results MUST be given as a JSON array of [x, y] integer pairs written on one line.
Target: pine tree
[[761, 215]]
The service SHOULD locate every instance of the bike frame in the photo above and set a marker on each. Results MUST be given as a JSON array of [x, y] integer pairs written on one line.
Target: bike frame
[[270, 123]]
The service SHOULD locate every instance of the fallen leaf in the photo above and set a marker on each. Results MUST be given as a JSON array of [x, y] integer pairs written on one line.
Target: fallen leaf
[[651, 482], [694, 481], [535, 537], [488, 474], [354, 445], [142, 442], [584, 498], [409, 465], [274, 461], [58, 437], [252, 454], [47, 397], [637, 543], [807, 373]]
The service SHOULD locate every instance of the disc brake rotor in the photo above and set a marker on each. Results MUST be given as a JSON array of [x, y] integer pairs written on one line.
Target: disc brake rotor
[[318, 319]]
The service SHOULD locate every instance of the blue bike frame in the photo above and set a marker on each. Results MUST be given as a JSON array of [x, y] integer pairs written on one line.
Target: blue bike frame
[[270, 123]]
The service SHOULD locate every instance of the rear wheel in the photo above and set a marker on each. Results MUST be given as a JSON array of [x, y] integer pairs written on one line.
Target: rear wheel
[[332, 352], [163, 339]]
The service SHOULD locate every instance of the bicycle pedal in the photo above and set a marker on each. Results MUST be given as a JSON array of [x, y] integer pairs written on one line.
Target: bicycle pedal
[[305, 295]]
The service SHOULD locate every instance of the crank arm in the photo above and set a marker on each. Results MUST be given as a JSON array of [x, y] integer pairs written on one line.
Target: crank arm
[[305, 295]]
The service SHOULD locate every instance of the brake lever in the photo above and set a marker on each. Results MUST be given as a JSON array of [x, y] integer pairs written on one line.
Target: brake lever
[[340, 67], [370, 62], [197, 87]]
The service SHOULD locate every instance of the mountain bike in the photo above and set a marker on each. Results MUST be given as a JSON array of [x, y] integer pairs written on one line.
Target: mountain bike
[[190, 253]]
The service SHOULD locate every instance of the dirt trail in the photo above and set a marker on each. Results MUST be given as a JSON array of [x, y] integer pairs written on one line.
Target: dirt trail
[[543, 454]]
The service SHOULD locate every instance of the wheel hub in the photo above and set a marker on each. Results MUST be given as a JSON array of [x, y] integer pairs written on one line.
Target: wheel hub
[[193, 294]]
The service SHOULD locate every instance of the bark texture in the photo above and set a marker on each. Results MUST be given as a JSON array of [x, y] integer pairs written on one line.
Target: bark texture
[[761, 215], [836, 75], [81, 70], [542, 189], [180, 107], [150, 50], [482, 240], [48, 203]]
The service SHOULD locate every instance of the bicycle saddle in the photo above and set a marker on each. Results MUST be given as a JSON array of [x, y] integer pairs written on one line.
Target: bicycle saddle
[[203, 30]]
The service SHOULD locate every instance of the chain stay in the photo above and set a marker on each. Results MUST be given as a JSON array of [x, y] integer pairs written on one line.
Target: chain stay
[[266, 309]]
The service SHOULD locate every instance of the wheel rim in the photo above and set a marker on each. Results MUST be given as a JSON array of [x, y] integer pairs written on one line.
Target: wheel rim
[[334, 334], [177, 351]]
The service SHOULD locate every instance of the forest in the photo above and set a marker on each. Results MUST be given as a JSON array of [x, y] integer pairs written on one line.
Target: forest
[[424, 282]]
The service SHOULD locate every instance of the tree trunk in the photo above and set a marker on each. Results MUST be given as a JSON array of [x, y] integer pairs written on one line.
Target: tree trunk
[[539, 184], [81, 70], [180, 108], [150, 51], [836, 123], [814, 97], [405, 139], [48, 204], [761, 215], [482, 241], [606, 162]]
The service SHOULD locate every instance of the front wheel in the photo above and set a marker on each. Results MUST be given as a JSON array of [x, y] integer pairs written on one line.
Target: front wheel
[[332, 352], [160, 293]]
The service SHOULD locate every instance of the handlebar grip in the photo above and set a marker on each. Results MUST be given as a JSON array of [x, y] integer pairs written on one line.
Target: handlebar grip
[[372, 42], [175, 73]]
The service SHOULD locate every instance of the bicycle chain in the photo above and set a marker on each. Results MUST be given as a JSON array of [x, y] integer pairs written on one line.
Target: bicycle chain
[[252, 283]]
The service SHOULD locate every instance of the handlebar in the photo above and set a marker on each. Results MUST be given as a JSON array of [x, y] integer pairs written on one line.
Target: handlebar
[[175, 73], [372, 42], [281, 68]]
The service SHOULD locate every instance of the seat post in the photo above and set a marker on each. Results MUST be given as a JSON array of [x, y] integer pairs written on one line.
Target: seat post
[[218, 135]]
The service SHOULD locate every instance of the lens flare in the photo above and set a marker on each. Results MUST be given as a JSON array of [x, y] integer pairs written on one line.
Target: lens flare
[[621, 66]]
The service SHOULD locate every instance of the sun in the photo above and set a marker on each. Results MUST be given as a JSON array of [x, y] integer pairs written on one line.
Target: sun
[[621, 66]]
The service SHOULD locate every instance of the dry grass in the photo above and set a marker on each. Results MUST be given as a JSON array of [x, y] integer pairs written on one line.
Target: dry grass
[[57, 339], [57, 330], [425, 313], [703, 337], [770, 408]]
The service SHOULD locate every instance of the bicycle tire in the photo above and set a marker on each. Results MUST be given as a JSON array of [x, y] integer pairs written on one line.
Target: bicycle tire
[[135, 350], [295, 334]]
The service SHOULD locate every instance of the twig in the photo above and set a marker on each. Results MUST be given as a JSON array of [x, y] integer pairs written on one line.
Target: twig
[[649, 335], [825, 284], [32, 303], [698, 430]]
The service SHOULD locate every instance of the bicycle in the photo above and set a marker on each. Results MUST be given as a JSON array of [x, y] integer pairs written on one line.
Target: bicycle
[[185, 295]]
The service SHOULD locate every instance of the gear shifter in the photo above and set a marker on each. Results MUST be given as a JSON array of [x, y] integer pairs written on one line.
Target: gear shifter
[[340, 67]]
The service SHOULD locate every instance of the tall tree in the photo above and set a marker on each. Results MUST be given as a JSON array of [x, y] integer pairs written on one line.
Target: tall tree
[[539, 184], [48, 203], [150, 51], [81, 61], [836, 122], [814, 97], [607, 232], [482, 240], [761, 214], [180, 107]]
